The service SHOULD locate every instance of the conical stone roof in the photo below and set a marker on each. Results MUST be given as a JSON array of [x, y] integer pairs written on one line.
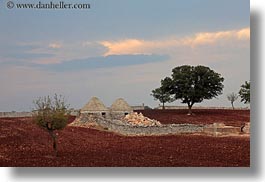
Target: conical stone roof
[[94, 105], [121, 105]]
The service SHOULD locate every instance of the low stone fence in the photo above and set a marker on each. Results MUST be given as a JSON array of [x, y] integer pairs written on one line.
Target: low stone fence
[[115, 126], [123, 128], [221, 129], [202, 107], [26, 114], [15, 114], [216, 129]]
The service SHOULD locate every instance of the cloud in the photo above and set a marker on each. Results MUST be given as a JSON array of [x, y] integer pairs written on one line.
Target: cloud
[[19, 52], [244, 34], [129, 46], [86, 52], [69, 51], [215, 37], [55, 45], [103, 62], [48, 52], [138, 46]]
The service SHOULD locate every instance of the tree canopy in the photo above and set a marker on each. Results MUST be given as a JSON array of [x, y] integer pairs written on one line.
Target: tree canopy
[[244, 92], [162, 95], [232, 98], [193, 84], [51, 114]]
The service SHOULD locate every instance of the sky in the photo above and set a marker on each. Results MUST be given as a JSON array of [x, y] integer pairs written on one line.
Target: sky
[[119, 48]]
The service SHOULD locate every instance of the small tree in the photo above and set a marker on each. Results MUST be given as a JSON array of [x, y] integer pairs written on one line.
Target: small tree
[[51, 114], [193, 84], [244, 92], [232, 98], [162, 95]]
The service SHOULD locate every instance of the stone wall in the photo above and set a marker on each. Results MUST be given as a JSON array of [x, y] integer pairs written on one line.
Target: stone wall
[[217, 129], [118, 114], [26, 114], [122, 126], [118, 126], [156, 130], [15, 114], [138, 107], [246, 128], [201, 107]]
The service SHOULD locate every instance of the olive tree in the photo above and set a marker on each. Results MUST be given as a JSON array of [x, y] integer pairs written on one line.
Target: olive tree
[[232, 98], [162, 95], [51, 114], [193, 84]]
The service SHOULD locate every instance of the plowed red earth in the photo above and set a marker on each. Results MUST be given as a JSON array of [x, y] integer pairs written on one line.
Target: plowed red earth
[[201, 116], [24, 144]]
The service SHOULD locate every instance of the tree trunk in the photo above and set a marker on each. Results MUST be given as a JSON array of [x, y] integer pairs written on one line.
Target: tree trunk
[[54, 138], [190, 111], [163, 106], [232, 105]]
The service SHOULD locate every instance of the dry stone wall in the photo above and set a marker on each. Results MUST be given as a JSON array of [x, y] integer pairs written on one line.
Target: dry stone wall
[[136, 124], [202, 107], [125, 128], [15, 114], [246, 128]]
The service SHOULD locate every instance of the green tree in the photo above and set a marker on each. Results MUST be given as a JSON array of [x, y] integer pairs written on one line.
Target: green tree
[[244, 92], [162, 95], [193, 84], [232, 98], [51, 115]]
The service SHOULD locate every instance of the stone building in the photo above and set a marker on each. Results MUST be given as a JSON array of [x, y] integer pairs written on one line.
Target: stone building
[[120, 108], [95, 108]]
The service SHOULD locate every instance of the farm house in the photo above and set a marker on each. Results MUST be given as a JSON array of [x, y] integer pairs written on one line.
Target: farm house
[[95, 108], [120, 108]]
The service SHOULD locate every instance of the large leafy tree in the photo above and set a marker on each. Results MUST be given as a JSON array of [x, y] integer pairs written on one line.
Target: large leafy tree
[[51, 114], [162, 94], [244, 92], [193, 84]]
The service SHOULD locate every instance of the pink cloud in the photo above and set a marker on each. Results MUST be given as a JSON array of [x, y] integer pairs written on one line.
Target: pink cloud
[[137, 46], [55, 45]]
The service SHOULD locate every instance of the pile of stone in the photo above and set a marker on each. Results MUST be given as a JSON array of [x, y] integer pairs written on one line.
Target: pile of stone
[[84, 121], [246, 128], [135, 119], [84, 125]]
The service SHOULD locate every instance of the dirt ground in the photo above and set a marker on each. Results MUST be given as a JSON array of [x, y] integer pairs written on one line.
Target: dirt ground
[[24, 144], [201, 116]]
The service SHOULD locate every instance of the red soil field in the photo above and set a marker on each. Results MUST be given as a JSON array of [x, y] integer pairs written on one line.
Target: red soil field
[[201, 116], [22, 143]]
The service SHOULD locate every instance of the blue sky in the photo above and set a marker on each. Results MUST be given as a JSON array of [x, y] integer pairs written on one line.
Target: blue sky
[[119, 48]]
